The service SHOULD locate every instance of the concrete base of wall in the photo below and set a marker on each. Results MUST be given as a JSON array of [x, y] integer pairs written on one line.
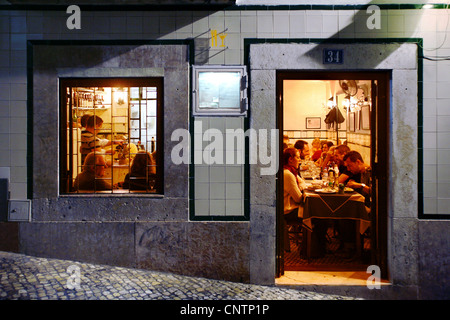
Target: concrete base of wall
[[434, 259], [216, 250]]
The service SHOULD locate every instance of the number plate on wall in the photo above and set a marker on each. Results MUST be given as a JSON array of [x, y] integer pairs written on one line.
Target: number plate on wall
[[333, 56]]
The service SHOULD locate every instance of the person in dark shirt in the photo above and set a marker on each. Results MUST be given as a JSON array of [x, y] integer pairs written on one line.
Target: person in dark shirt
[[361, 180], [337, 154]]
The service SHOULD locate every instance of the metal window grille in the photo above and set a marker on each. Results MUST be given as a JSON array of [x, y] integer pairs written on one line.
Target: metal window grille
[[116, 152]]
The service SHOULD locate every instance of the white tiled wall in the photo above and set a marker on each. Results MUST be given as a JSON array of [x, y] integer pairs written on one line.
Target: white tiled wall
[[218, 187], [18, 26]]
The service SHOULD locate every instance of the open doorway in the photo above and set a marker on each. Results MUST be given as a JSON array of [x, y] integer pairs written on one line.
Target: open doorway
[[333, 109]]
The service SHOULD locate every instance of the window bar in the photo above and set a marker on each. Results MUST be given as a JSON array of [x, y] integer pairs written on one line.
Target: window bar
[[112, 121], [86, 100], [109, 157], [95, 151], [129, 136], [69, 119]]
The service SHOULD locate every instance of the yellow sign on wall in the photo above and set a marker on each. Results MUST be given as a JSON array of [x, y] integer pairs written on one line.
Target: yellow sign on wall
[[214, 35]]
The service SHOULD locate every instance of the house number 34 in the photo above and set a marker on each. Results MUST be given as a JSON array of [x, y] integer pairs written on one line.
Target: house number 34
[[333, 56]]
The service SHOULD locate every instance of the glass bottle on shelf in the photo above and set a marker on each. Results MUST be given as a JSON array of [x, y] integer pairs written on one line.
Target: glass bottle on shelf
[[153, 143], [74, 117]]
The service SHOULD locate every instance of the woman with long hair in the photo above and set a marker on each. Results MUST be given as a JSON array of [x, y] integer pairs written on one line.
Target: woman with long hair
[[142, 172], [293, 191]]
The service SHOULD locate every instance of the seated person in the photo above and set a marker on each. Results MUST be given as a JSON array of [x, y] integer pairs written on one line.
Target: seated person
[[337, 154], [320, 156], [293, 184], [361, 179], [90, 177], [303, 147], [286, 141], [293, 187], [316, 145], [293, 201], [142, 172]]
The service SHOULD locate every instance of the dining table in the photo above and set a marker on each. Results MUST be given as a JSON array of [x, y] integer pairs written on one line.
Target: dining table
[[329, 203]]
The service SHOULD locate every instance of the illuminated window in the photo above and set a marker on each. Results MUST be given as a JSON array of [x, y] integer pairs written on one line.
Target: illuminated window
[[111, 136], [219, 90]]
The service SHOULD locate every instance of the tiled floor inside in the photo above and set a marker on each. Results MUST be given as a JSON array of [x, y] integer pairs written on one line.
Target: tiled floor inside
[[330, 278], [334, 268]]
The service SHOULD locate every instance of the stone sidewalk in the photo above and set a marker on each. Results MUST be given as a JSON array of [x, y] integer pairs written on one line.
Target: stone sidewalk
[[29, 278]]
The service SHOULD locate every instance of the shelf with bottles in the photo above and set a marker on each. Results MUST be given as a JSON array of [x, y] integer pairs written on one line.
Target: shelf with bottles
[[87, 98]]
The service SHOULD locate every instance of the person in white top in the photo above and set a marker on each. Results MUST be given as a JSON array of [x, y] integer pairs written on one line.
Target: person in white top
[[293, 200], [293, 183], [293, 192]]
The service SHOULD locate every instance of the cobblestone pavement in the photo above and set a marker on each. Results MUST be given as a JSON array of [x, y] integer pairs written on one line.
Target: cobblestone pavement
[[29, 278]]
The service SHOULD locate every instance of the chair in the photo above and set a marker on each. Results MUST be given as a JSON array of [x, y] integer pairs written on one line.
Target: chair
[[294, 229], [295, 233]]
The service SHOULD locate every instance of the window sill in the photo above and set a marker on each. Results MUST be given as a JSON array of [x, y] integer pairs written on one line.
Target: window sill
[[115, 193]]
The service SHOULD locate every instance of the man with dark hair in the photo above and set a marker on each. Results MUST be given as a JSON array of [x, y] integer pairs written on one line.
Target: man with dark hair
[[84, 120], [303, 147], [90, 141], [340, 151], [362, 174], [336, 154]]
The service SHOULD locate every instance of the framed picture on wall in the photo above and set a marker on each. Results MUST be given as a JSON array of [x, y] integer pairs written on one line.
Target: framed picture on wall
[[313, 123], [351, 121], [358, 120], [365, 118]]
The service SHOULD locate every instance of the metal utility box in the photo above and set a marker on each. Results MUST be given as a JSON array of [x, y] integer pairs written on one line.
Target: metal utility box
[[19, 210]]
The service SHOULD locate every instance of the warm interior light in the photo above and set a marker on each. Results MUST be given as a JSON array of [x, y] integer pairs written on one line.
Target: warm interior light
[[346, 102], [330, 103]]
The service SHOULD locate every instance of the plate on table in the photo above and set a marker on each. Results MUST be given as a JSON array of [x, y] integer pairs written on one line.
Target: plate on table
[[325, 191], [347, 189]]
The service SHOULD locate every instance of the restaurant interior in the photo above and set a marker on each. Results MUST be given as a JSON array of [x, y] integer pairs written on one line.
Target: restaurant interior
[[125, 126], [327, 113]]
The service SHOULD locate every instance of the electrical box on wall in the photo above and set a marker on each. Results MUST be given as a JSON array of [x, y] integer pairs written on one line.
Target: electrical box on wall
[[19, 210]]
